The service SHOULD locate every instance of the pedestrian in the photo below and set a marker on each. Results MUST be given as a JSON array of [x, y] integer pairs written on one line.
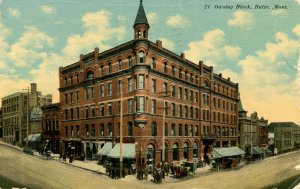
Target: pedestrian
[[146, 172]]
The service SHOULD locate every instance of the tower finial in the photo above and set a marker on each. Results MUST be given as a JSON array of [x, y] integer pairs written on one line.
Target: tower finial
[[141, 1]]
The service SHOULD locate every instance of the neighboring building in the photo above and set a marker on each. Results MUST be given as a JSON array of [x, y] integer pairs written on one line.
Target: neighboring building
[[261, 130], [50, 126], [1, 124], [247, 129], [146, 78], [285, 134], [15, 117]]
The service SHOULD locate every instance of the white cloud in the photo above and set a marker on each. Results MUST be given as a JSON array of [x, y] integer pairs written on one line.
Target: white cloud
[[122, 18], [211, 48], [29, 48], [296, 30], [177, 21], [166, 43], [152, 18], [91, 38], [14, 12], [298, 1], [242, 19], [265, 83], [47, 9]]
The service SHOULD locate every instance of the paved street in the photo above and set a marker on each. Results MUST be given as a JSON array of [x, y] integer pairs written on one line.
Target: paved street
[[37, 173]]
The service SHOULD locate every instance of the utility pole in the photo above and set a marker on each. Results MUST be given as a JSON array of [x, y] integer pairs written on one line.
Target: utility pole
[[121, 131], [27, 121], [165, 94]]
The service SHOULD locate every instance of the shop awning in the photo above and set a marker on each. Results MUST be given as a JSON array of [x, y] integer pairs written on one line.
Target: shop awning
[[127, 152], [227, 152], [33, 137], [104, 151], [257, 150]]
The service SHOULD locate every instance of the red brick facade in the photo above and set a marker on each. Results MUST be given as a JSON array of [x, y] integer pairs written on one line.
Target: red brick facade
[[201, 105]]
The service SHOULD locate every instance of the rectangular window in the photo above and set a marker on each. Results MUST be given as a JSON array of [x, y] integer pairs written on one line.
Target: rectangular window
[[77, 112], [219, 103], [196, 130], [165, 88], [197, 113], [66, 128], [101, 109], [179, 93], [71, 97], [185, 111], [166, 129], [129, 131], [86, 93], [191, 112], [66, 98], [214, 102], [191, 96], [102, 129], [153, 107], [153, 129], [191, 130], [173, 91], [173, 129], [110, 111], [101, 91], [72, 113], [77, 131], [92, 92], [185, 94], [109, 89], [93, 111], [119, 107], [141, 104], [130, 106], [180, 110], [166, 108], [120, 65], [153, 86], [129, 82], [119, 86], [173, 109], [180, 130], [86, 130], [110, 125], [186, 130], [86, 112], [77, 96], [66, 114], [93, 134], [141, 81], [196, 97]]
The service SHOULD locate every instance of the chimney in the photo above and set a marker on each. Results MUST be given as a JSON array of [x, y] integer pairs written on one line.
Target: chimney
[[33, 87], [220, 75], [228, 78], [182, 56], [159, 44]]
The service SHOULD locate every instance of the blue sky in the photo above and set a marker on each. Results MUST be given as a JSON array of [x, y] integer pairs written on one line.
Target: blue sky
[[259, 49]]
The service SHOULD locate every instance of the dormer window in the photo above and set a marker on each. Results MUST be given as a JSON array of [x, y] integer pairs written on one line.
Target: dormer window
[[89, 75]]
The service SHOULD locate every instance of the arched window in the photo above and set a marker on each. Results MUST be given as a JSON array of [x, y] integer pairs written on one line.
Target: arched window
[[150, 154], [129, 61], [185, 151], [173, 70], [165, 68], [205, 84], [153, 63], [195, 150], [141, 57], [180, 73], [175, 152], [120, 64], [89, 75], [109, 68]]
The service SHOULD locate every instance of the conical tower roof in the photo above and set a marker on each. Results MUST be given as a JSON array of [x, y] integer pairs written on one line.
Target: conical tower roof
[[141, 17], [240, 106]]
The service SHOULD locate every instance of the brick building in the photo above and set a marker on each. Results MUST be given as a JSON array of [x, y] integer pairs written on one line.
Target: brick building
[[50, 128], [200, 106]]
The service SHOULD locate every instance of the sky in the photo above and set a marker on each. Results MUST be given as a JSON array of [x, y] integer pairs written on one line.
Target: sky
[[257, 48]]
